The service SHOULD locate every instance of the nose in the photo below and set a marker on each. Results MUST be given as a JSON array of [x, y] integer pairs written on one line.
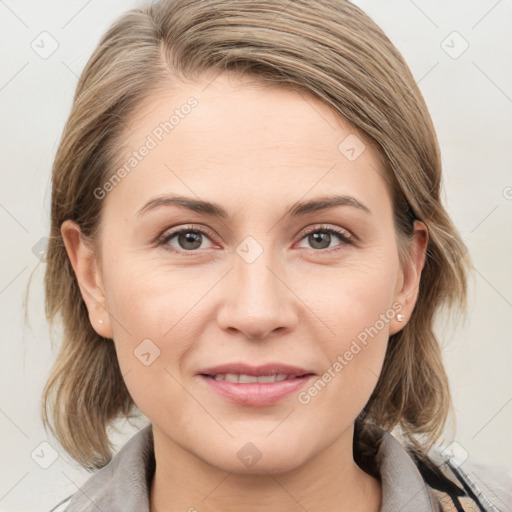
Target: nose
[[256, 299]]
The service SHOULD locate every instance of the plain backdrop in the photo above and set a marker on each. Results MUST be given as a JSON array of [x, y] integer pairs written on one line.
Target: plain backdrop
[[459, 53]]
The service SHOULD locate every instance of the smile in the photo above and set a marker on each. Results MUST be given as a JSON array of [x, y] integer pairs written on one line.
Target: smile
[[244, 379], [253, 390]]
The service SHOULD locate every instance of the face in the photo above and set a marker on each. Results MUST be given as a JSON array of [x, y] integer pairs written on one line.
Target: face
[[188, 289]]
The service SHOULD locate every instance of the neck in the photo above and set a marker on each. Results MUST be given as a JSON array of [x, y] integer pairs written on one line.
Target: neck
[[330, 481]]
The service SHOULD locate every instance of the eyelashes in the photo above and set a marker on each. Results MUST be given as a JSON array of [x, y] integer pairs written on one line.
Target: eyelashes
[[345, 236], [342, 234], [166, 237]]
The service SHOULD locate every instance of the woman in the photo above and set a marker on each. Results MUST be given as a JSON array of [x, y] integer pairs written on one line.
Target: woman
[[248, 246]]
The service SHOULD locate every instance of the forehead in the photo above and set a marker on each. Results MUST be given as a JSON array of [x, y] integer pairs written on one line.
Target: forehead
[[234, 137]]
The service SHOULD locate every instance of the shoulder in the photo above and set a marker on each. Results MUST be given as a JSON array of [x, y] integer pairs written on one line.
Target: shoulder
[[467, 484], [439, 482], [490, 484], [124, 482]]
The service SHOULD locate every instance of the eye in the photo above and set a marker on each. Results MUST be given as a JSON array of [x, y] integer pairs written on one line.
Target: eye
[[188, 239], [320, 238]]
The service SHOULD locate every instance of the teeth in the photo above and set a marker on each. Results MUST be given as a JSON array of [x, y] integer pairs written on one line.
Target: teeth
[[232, 377], [265, 378]]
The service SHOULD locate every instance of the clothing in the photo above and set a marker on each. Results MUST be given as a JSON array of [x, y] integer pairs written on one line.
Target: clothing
[[407, 485]]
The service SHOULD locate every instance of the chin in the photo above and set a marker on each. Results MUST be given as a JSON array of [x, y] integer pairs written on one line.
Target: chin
[[259, 457], [274, 466]]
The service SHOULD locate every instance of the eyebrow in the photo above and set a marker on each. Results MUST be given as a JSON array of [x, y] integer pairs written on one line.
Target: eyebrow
[[297, 209]]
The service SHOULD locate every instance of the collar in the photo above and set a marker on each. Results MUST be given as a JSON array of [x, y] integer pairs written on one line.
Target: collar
[[123, 484]]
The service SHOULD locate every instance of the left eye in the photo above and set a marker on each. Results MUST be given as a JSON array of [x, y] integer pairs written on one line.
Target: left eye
[[321, 237]]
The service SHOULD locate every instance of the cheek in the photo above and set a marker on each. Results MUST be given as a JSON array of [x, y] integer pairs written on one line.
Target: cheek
[[353, 296], [356, 310], [157, 318], [354, 357], [146, 301], [150, 336]]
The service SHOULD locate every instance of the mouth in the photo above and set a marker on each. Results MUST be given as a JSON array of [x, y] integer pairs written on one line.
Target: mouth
[[255, 385], [270, 372], [247, 379]]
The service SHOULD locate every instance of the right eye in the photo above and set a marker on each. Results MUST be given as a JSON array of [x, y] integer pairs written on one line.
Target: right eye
[[187, 240]]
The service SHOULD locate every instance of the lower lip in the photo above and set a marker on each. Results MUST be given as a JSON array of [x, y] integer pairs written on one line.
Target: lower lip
[[256, 393]]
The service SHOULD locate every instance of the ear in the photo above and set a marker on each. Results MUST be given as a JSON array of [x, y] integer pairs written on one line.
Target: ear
[[409, 278], [88, 275]]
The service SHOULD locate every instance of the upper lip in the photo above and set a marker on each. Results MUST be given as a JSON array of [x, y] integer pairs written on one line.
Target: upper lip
[[265, 369]]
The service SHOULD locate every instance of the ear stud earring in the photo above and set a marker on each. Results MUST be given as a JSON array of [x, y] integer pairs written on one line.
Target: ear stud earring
[[101, 321], [400, 317]]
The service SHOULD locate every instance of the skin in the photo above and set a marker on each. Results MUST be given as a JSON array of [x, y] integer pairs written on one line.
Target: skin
[[255, 150]]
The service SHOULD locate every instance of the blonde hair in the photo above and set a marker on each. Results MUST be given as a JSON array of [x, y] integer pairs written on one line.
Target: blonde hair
[[328, 48]]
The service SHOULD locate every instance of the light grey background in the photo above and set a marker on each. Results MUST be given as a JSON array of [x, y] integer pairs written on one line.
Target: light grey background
[[470, 98]]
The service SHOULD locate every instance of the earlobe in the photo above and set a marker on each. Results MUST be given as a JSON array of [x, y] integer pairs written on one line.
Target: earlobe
[[408, 287], [88, 276]]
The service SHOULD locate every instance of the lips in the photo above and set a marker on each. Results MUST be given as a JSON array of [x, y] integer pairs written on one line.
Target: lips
[[246, 379], [263, 385], [282, 371]]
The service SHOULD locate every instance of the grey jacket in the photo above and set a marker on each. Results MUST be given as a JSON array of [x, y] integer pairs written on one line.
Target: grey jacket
[[407, 485]]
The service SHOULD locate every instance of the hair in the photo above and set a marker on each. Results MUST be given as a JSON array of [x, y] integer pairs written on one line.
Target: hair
[[326, 48]]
